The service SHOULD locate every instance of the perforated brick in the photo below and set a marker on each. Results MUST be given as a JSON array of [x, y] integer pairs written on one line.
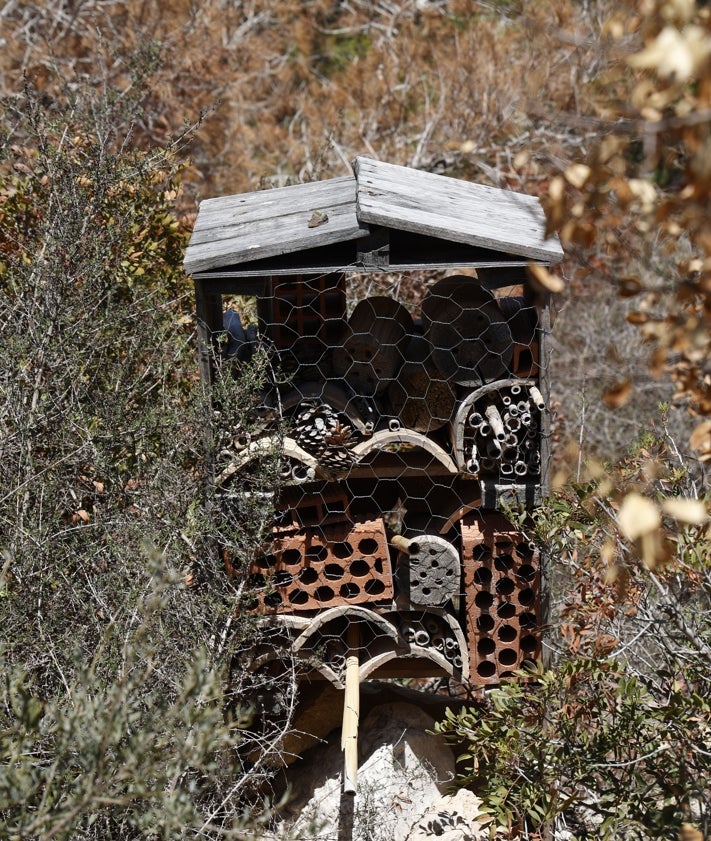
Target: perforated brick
[[306, 318], [525, 360], [318, 568], [503, 601], [297, 510]]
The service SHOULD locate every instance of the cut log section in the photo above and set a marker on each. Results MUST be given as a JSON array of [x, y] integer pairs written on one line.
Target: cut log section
[[469, 333], [522, 318], [370, 353], [421, 396]]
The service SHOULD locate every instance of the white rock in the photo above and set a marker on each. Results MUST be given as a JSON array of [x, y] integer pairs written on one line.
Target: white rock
[[403, 771], [450, 818]]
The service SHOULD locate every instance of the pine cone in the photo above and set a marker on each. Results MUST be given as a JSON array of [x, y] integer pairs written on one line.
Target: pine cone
[[320, 432]]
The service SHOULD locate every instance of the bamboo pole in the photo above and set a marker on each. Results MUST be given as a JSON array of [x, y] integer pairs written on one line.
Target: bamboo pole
[[351, 712], [494, 418]]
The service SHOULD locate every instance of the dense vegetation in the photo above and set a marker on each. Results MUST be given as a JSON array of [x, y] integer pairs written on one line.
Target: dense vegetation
[[118, 624], [117, 628]]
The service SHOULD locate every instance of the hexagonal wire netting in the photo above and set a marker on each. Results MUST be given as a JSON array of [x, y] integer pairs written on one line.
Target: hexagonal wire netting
[[411, 407]]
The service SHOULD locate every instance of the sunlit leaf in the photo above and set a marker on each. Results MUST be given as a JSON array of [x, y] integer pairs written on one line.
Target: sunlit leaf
[[638, 516], [577, 175], [677, 11], [545, 280], [689, 832], [644, 192], [629, 286], [637, 317], [692, 511], [674, 54], [701, 440], [618, 394]]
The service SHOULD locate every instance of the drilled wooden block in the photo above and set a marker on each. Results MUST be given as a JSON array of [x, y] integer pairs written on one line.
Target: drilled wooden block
[[502, 596], [429, 571], [318, 568]]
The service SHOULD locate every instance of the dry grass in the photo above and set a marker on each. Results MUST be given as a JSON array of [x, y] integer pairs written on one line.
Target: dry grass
[[296, 89], [499, 92]]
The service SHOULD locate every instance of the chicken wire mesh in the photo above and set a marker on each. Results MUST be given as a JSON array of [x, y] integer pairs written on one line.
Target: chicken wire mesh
[[404, 411]]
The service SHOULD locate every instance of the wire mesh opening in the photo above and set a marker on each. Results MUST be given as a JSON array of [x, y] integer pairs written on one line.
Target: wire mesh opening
[[407, 408]]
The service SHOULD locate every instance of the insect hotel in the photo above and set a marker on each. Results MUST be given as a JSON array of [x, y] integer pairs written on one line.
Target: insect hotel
[[413, 391]]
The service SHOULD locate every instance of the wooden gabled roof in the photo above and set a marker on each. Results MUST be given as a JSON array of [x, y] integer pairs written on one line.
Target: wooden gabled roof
[[384, 216]]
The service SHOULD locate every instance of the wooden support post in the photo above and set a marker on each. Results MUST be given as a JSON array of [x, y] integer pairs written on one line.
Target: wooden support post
[[351, 711], [208, 308]]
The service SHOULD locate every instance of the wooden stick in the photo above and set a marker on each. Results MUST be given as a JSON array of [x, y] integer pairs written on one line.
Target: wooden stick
[[401, 543], [351, 712]]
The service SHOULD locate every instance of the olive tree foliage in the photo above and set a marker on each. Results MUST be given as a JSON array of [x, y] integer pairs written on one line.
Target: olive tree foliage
[[117, 618]]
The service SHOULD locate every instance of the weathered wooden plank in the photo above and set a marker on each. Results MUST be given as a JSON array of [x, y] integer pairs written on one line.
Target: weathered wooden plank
[[267, 223], [370, 172], [252, 212], [297, 196], [455, 210], [462, 263], [325, 216], [428, 188], [271, 236], [471, 226], [208, 308]]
